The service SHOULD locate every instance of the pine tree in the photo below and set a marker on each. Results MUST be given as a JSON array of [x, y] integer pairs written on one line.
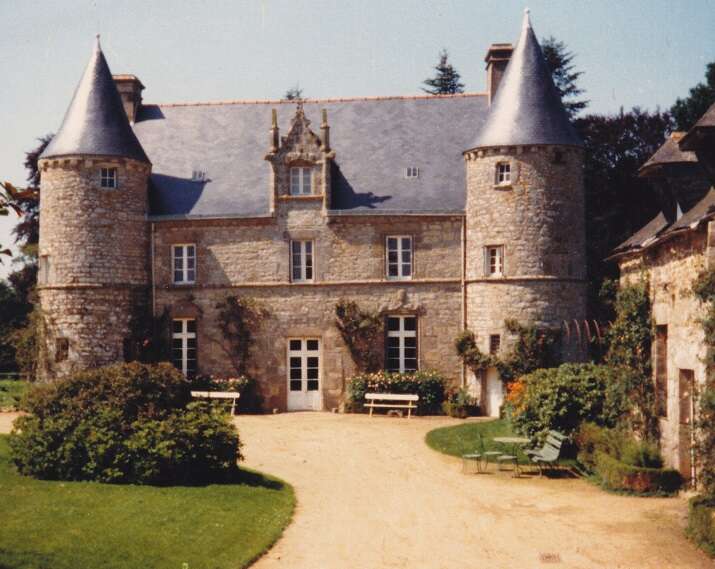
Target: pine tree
[[446, 81], [294, 93], [559, 59]]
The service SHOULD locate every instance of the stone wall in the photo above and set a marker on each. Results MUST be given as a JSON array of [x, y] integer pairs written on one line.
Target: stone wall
[[94, 259], [251, 258], [539, 220], [670, 268]]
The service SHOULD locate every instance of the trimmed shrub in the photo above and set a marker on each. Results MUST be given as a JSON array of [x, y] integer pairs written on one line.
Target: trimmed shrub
[[562, 398], [592, 439], [429, 385], [126, 423], [701, 523], [617, 475]]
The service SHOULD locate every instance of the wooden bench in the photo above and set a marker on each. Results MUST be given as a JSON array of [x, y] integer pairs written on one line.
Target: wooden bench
[[233, 396], [392, 401]]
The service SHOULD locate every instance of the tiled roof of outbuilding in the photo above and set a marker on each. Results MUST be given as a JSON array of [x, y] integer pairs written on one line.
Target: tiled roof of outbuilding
[[527, 108], [95, 122], [375, 140], [705, 124], [669, 153]]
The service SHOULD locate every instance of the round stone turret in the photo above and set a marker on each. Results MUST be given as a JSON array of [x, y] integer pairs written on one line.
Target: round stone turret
[[525, 237], [94, 243]]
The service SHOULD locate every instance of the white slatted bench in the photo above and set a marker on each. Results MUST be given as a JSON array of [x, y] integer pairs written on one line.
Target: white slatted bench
[[392, 401], [233, 396]]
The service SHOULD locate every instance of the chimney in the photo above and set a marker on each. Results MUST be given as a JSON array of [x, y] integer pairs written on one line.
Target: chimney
[[130, 89], [496, 59]]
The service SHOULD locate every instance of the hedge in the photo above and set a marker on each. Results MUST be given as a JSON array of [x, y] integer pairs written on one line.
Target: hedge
[[617, 475], [429, 385], [701, 523]]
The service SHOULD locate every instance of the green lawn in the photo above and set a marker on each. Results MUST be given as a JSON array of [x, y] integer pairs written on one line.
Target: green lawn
[[68, 525], [10, 392], [463, 439]]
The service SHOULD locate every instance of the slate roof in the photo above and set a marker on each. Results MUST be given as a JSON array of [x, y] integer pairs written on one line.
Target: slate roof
[[705, 124], [375, 140], [669, 153], [95, 122], [527, 108]]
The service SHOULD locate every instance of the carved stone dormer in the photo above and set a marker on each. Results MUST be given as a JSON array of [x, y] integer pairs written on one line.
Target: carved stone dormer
[[300, 161]]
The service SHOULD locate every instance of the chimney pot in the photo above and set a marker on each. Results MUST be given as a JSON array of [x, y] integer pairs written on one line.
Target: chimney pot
[[497, 59], [130, 89]]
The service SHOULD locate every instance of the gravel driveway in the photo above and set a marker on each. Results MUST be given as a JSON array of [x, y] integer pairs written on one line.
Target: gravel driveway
[[371, 494]]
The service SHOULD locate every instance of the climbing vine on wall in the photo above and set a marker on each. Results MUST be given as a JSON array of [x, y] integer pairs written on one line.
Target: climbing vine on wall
[[704, 290], [148, 340], [533, 348], [472, 356], [362, 331], [629, 341], [239, 318]]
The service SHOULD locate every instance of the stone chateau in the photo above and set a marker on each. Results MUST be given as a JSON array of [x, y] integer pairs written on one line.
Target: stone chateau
[[670, 252], [440, 212]]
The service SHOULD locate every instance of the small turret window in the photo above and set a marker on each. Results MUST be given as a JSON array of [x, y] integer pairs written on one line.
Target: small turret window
[[108, 177], [301, 181], [412, 172], [494, 260], [503, 174]]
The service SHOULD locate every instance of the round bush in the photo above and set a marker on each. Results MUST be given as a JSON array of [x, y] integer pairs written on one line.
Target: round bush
[[126, 423], [562, 398]]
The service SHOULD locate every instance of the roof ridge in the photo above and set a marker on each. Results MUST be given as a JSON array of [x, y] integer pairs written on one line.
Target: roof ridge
[[309, 100]]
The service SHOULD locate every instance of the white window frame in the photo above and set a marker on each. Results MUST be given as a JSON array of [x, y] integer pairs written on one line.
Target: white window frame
[[412, 172], [494, 260], [184, 336], [304, 353], [299, 177], [306, 270], [43, 271], [184, 269], [402, 253], [502, 174], [108, 178], [402, 334]]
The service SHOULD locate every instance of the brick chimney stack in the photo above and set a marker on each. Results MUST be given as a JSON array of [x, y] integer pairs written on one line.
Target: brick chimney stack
[[130, 89], [497, 58]]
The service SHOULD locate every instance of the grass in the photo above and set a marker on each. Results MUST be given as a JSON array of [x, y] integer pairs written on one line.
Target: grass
[[11, 392], [463, 439], [65, 525]]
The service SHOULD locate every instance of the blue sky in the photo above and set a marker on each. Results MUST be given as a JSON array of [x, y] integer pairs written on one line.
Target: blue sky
[[643, 53]]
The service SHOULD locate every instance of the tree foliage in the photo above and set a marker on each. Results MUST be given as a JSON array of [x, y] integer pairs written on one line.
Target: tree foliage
[[446, 79], [688, 110], [27, 231], [618, 202], [534, 348], [362, 331], [560, 62]]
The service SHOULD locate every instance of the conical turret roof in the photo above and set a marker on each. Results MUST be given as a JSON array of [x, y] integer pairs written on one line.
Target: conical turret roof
[[527, 108], [95, 122]]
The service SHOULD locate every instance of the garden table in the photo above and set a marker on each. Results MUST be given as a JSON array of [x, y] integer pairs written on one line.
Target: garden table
[[516, 442]]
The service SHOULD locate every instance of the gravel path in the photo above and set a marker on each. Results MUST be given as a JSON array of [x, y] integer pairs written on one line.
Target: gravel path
[[371, 494]]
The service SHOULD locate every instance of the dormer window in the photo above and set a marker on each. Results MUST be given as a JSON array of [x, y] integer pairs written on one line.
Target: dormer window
[[108, 177], [503, 174], [301, 181], [412, 172]]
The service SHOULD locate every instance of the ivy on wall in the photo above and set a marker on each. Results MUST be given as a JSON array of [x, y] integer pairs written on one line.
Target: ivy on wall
[[363, 333], [148, 340], [704, 289], [239, 318], [472, 356], [629, 340]]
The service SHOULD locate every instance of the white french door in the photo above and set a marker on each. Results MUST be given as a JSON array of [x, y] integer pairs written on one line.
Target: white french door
[[304, 374]]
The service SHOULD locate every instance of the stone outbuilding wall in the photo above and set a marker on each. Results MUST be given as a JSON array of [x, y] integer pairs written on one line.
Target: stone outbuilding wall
[[670, 269]]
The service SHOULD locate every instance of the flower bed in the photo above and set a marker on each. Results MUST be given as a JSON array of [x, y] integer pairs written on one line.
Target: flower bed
[[429, 385]]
